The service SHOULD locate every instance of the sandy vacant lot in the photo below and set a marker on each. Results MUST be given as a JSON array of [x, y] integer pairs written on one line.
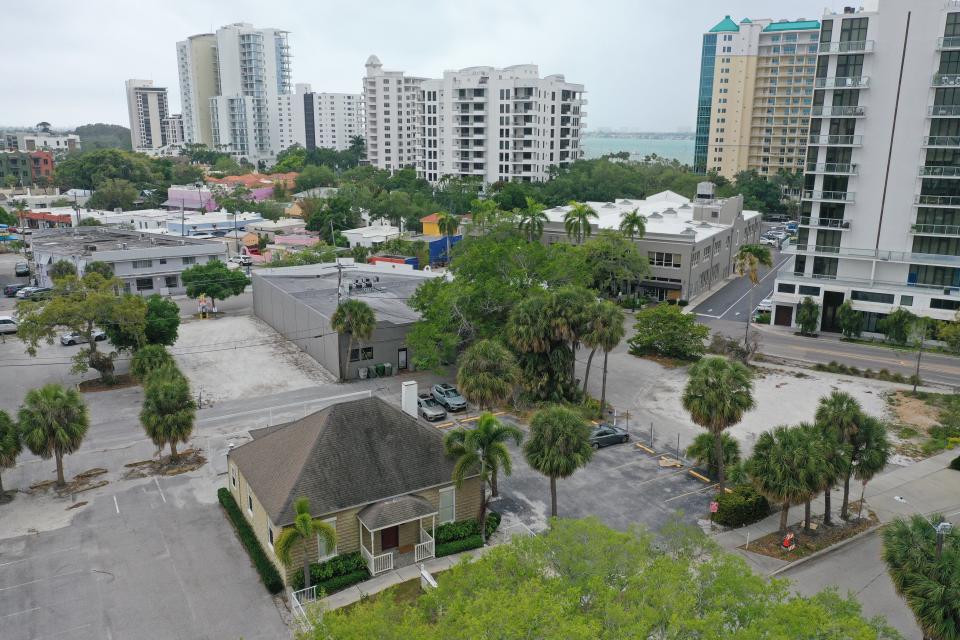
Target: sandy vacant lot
[[241, 357]]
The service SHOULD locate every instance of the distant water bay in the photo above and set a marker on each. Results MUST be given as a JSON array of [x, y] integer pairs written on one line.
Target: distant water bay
[[680, 149]]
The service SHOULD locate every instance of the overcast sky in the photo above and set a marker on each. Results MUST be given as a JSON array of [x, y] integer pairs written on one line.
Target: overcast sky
[[639, 59]]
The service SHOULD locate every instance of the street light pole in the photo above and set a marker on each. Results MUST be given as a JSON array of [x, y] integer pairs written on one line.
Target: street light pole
[[942, 530]]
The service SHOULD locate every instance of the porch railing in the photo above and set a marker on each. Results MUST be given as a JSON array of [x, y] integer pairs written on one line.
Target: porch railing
[[300, 598], [425, 549], [377, 564]]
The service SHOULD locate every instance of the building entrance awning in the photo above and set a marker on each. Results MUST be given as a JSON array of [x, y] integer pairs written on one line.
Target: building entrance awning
[[656, 284]]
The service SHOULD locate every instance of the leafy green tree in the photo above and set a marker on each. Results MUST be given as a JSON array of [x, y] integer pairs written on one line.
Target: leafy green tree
[[104, 136], [850, 320], [717, 395], [290, 159], [531, 219], [306, 530], [898, 325], [168, 411], [313, 176], [576, 221], [359, 253], [759, 194], [633, 225], [92, 169], [604, 331], [162, 320], [53, 422], [665, 330], [702, 450], [114, 193], [61, 269], [356, 319], [128, 336], [10, 446], [778, 467], [613, 262], [148, 359], [808, 316], [228, 166], [949, 332], [928, 581], [487, 373], [98, 266], [89, 222], [7, 218], [185, 173], [482, 450], [213, 280], [838, 418], [558, 445]]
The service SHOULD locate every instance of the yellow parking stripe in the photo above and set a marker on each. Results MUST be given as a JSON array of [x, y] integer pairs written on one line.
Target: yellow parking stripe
[[646, 448], [699, 477]]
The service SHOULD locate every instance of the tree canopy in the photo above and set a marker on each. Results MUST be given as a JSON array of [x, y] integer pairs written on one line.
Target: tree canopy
[[214, 280]]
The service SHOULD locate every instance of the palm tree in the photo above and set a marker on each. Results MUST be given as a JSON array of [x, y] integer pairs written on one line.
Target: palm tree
[[577, 220], [532, 219], [305, 530], [778, 468], [633, 225], [448, 225], [482, 213], [10, 445], [926, 579], [717, 395], [484, 448], [356, 319], [702, 451], [604, 331], [148, 359], [168, 411], [818, 470], [53, 421], [749, 259], [869, 454], [487, 373], [558, 445], [838, 417]]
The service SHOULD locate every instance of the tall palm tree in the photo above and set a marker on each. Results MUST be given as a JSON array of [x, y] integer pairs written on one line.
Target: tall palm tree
[[448, 225], [604, 331], [777, 468], [10, 445], [577, 220], [701, 450], [305, 530], [168, 411], [818, 471], [532, 219], [356, 319], [487, 373], [558, 445], [928, 581], [838, 416], [53, 422], [717, 395], [869, 454], [483, 448], [633, 225], [748, 261]]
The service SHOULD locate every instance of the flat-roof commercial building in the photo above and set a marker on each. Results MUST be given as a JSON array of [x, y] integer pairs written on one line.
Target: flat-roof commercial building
[[299, 301], [147, 263], [690, 245]]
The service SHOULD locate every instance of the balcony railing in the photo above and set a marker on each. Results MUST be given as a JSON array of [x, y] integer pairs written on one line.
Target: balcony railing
[[851, 82], [944, 110], [876, 254], [839, 141], [935, 229], [946, 80], [854, 111], [829, 196], [950, 42], [938, 201], [837, 168], [940, 172], [941, 141], [825, 223], [787, 274], [859, 46]]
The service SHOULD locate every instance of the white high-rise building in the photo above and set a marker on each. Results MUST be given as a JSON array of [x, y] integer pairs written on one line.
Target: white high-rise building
[[498, 124], [390, 100], [880, 209], [326, 120], [197, 66], [173, 129], [147, 106]]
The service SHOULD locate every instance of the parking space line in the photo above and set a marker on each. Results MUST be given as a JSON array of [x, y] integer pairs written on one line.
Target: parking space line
[[157, 482], [17, 613], [116, 504], [65, 631], [690, 493], [649, 480], [74, 548]]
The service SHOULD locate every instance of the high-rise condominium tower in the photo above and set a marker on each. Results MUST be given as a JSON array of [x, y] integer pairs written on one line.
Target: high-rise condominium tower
[[326, 120], [196, 64], [390, 99], [756, 88], [147, 106], [880, 209]]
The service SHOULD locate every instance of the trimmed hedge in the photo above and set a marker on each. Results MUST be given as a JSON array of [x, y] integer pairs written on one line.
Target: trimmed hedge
[[456, 546], [342, 582], [336, 567], [955, 464], [741, 507], [268, 571], [454, 537]]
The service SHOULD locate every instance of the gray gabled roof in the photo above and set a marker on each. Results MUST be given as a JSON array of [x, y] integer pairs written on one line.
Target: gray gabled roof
[[395, 511], [346, 455]]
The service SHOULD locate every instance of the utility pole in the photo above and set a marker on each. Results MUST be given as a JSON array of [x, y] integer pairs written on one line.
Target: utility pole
[[336, 258], [942, 530], [922, 324], [76, 208]]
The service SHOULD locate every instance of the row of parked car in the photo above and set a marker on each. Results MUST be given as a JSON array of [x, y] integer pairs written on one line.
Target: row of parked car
[[776, 235]]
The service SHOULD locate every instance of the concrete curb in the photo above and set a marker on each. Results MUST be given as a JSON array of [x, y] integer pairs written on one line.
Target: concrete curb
[[824, 552]]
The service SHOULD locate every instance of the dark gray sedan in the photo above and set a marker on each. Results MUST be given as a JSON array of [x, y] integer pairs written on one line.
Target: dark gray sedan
[[607, 434]]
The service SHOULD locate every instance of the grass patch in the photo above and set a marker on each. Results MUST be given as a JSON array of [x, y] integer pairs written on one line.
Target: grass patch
[[121, 381], [809, 543], [927, 348], [883, 374]]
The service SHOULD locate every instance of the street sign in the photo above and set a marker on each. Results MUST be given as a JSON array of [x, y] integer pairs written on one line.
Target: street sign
[[714, 507]]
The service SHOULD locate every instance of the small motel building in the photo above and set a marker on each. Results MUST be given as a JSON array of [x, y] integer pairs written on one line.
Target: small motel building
[[375, 474]]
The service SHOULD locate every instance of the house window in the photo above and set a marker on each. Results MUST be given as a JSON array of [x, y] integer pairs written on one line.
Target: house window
[[144, 284], [366, 353], [322, 551], [171, 282], [163, 261], [906, 301], [250, 503], [142, 264], [189, 260], [270, 536], [448, 507], [233, 476]]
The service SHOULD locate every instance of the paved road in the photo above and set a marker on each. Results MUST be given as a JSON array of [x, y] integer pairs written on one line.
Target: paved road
[[733, 301]]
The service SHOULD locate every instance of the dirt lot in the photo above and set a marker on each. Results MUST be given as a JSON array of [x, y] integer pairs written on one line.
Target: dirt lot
[[240, 357]]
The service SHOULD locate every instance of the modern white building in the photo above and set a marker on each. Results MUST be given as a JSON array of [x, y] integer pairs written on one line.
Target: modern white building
[[392, 129], [197, 68], [147, 108], [43, 141], [371, 236], [880, 210], [497, 124], [172, 127], [326, 120]]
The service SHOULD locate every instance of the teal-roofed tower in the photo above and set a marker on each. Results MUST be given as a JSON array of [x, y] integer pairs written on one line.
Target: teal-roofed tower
[[725, 25]]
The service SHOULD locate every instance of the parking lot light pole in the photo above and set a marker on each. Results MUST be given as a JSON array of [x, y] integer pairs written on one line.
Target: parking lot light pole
[[943, 529]]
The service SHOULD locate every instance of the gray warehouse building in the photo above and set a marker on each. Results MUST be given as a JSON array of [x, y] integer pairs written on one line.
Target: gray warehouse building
[[299, 301]]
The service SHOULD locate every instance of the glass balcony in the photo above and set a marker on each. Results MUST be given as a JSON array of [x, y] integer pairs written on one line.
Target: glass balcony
[[824, 223], [941, 141], [937, 201], [838, 112], [939, 172], [836, 141], [906, 257], [828, 196], [835, 168], [787, 275], [944, 111], [853, 82], [951, 42], [935, 229], [946, 80], [859, 46]]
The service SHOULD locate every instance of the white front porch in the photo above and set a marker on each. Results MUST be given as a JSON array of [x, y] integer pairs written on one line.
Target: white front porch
[[397, 532]]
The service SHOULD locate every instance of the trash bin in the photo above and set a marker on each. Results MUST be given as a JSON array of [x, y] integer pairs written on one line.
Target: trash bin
[[363, 373], [380, 370], [387, 369]]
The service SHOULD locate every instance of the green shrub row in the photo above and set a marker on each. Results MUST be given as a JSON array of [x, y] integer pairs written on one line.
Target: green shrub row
[[741, 507], [456, 546], [268, 571], [335, 567], [339, 583], [462, 529], [955, 464], [835, 367]]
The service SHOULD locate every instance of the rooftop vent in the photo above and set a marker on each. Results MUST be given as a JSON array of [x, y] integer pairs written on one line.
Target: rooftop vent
[[609, 205], [685, 206], [655, 216], [670, 212]]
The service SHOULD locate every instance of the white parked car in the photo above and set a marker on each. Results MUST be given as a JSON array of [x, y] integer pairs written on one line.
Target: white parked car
[[243, 261], [8, 324], [769, 241], [75, 337], [765, 305]]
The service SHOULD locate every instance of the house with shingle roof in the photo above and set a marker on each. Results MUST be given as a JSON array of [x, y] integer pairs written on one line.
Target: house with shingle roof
[[377, 475]]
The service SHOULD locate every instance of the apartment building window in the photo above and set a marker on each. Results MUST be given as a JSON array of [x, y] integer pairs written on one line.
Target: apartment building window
[[661, 259], [189, 260], [948, 305], [142, 264], [171, 282], [906, 301], [144, 284]]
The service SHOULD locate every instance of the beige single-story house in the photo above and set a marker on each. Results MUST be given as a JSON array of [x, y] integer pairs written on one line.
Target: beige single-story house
[[374, 473]]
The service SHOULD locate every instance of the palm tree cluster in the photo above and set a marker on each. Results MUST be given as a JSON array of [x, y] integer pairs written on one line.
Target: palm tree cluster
[[168, 412]]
